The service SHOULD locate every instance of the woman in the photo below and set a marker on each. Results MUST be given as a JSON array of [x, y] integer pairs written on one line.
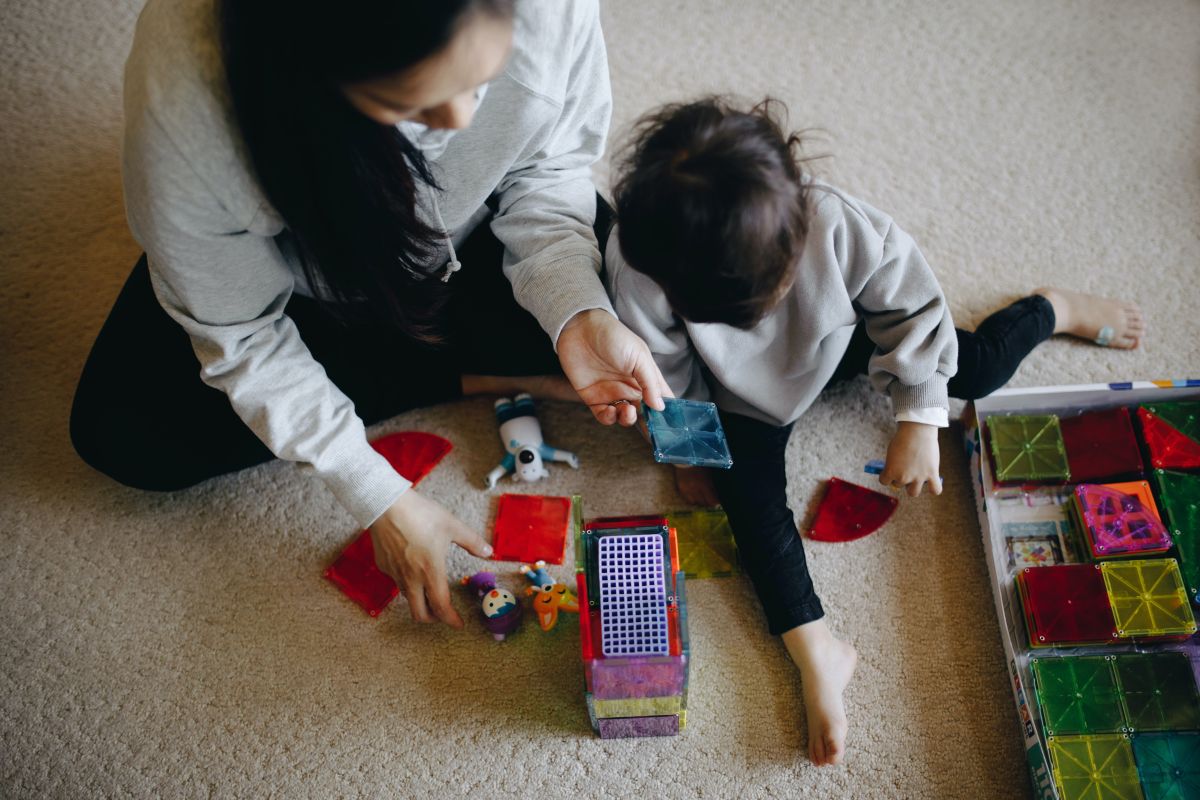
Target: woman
[[313, 207]]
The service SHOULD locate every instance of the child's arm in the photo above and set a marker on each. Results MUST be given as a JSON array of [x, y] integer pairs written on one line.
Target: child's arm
[[906, 316]]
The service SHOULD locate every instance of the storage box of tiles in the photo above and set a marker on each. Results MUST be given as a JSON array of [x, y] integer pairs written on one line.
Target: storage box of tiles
[[1089, 506]]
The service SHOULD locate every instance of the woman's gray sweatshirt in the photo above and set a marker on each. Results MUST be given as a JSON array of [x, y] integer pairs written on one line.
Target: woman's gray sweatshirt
[[210, 235]]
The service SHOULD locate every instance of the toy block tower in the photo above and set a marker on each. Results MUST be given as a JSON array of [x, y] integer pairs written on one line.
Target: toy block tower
[[632, 626]]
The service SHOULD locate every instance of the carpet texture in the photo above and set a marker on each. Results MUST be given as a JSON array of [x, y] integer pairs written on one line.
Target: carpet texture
[[185, 645]]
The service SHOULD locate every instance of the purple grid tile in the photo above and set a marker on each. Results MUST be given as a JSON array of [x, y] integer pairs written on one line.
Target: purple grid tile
[[633, 596]]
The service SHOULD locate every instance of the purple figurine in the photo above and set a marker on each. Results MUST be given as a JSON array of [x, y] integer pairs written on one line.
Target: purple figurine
[[499, 607]]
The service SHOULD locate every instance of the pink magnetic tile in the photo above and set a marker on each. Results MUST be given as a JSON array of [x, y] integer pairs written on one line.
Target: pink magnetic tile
[[1121, 519]]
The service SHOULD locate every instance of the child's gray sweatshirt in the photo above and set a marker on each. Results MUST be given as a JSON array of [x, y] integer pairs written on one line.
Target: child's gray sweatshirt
[[220, 272], [856, 264]]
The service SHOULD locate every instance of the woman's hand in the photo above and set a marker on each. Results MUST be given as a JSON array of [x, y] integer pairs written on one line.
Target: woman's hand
[[610, 367], [411, 540], [912, 459]]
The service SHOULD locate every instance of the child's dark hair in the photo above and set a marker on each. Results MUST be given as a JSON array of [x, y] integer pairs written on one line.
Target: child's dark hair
[[712, 205]]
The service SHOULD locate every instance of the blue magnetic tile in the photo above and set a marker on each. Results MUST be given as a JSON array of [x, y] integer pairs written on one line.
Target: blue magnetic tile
[[688, 432]]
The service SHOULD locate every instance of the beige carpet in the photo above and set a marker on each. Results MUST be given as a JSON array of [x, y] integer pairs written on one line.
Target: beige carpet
[[186, 645]]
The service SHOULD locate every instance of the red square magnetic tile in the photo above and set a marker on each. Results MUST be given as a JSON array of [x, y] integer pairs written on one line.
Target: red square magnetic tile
[[849, 511], [1067, 604], [1101, 446], [531, 527], [356, 575]]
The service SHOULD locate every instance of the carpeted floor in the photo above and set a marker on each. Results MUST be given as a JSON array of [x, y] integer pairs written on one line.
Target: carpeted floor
[[186, 644]]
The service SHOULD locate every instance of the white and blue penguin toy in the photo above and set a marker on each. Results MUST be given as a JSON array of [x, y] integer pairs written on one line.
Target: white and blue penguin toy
[[522, 437]]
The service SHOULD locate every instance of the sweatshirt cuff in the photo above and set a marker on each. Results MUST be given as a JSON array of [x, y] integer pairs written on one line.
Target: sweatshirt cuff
[[937, 416], [930, 394], [363, 482]]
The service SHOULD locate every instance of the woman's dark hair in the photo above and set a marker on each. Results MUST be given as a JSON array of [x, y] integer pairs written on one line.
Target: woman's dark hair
[[345, 186], [712, 206]]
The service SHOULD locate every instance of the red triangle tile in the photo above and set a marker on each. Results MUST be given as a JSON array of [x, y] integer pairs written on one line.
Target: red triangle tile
[[413, 454], [1169, 449]]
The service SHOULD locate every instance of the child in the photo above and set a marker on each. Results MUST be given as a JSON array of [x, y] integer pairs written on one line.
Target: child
[[754, 286]]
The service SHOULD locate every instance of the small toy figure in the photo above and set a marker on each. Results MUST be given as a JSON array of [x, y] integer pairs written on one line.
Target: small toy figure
[[548, 597], [499, 607], [522, 437]]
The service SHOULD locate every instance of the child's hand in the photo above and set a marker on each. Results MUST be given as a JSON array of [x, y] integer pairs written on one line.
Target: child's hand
[[912, 459]]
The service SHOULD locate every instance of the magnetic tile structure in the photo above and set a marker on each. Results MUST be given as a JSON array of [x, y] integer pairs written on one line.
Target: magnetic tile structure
[[1099, 767], [848, 511], [1168, 765], [633, 599], [1066, 604], [531, 528], [1121, 519], [1179, 496], [633, 627], [1171, 432], [1078, 695], [1148, 598], [688, 432], [1027, 448], [1158, 691], [706, 545], [1101, 446]]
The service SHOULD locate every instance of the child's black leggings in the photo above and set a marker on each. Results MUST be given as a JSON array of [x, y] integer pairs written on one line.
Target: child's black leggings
[[754, 491]]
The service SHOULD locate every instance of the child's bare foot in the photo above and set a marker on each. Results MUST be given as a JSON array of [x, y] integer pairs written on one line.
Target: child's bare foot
[[542, 387], [1088, 315], [695, 486], [826, 666]]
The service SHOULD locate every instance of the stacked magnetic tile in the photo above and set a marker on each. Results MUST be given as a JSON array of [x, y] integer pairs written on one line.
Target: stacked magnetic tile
[[1179, 496], [688, 432], [1079, 604], [1171, 432], [1097, 767], [1120, 519], [1101, 446], [633, 626], [1027, 448], [1127, 693], [1148, 599], [1091, 705], [1168, 765]]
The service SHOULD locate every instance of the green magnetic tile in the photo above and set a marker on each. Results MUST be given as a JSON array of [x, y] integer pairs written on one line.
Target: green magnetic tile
[[1094, 767], [1148, 598], [1168, 765], [1179, 501], [577, 532], [1078, 695], [1028, 447], [1159, 692], [706, 545]]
